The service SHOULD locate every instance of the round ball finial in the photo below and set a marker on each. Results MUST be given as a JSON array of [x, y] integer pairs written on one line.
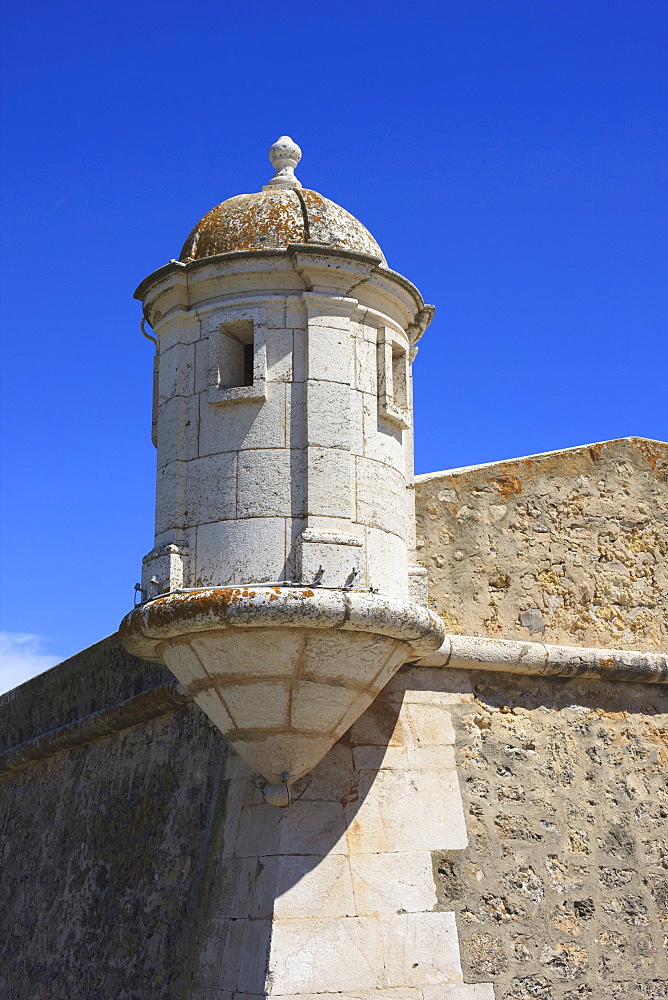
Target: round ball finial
[[285, 154]]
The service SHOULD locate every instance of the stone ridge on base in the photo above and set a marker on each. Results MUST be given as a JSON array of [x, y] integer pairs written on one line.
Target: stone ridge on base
[[282, 671]]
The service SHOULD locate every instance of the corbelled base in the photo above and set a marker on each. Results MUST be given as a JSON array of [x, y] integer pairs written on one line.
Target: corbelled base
[[283, 672]]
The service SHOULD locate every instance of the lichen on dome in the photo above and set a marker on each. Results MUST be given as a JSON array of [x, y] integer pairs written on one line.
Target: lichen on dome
[[273, 219], [283, 213]]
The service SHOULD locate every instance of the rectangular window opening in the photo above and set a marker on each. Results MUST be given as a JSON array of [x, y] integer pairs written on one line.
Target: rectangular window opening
[[237, 352], [399, 377]]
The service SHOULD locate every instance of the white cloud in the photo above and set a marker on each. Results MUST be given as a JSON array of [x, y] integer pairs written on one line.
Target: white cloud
[[22, 656]]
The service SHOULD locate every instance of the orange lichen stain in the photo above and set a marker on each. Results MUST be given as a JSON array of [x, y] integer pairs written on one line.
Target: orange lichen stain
[[506, 485], [608, 663], [653, 455], [274, 220], [660, 738]]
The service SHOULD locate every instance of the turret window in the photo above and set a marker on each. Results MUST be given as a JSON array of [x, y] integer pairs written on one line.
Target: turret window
[[235, 365], [393, 378], [237, 362]]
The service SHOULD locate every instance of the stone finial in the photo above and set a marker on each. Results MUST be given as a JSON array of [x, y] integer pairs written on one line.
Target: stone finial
[[285, 154]]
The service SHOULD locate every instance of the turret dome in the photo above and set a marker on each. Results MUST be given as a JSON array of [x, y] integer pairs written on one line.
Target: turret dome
[[283, 213]]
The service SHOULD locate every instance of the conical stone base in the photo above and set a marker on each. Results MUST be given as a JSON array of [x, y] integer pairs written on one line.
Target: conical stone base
[[282, 672]]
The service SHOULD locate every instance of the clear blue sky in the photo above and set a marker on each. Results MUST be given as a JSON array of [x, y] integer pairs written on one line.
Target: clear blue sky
[[510, 157]]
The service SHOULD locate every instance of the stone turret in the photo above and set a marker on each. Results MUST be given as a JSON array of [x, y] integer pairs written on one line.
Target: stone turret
[[283, 424]]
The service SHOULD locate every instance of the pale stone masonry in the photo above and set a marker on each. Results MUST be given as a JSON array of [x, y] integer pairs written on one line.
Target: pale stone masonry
[[568, 547], [416, 745]]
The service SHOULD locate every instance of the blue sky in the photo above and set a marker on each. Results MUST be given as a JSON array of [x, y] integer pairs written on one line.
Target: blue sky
[[509, 157]]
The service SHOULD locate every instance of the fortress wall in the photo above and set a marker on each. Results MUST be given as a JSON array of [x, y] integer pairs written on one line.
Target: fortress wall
[[144, 862], [562, 893], [568, 547], [104, 849]]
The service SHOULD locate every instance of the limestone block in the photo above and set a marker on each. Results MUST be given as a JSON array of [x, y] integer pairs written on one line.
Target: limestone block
[[328, 657], [299, 353], [170, 497], [428, 685], [356, 409], [265, 482], [383, 725], [431, 724], [343, 564], [262, 705], [382, 500], [279, 355], [328, 353], [303, 886], [333, 777], [165, 568], [421, 949], [366, 369], [250, 963], [211, 488], [418, 585], [295, 414], [323, 705], [384, 441], [236, 881], [328, 414], [329, 474], [274, 312], [239, 793], [390, 883], [182, 327], [204, 375], [186, 666], [387, 562], [306, 828], [245, 423], [406, 810], [429, 758], [176, 372], [269, 653], [233, 552], [295, 312], [371, 758], [177, 434], [337, 955]]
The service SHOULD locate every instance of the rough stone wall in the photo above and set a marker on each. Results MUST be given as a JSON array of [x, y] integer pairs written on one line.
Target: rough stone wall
[[118, 884], [105, 850], [562, 893], [568, 547], [95, 679]]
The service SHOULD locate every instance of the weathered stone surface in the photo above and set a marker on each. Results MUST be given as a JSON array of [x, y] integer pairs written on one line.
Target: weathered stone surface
[[569, 547], [95, 679], [560, 894], [105, 850]]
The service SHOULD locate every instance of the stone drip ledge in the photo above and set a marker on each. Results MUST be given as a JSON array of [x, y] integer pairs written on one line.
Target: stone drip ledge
[[468, 652], [464, 652], [146, 706]]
